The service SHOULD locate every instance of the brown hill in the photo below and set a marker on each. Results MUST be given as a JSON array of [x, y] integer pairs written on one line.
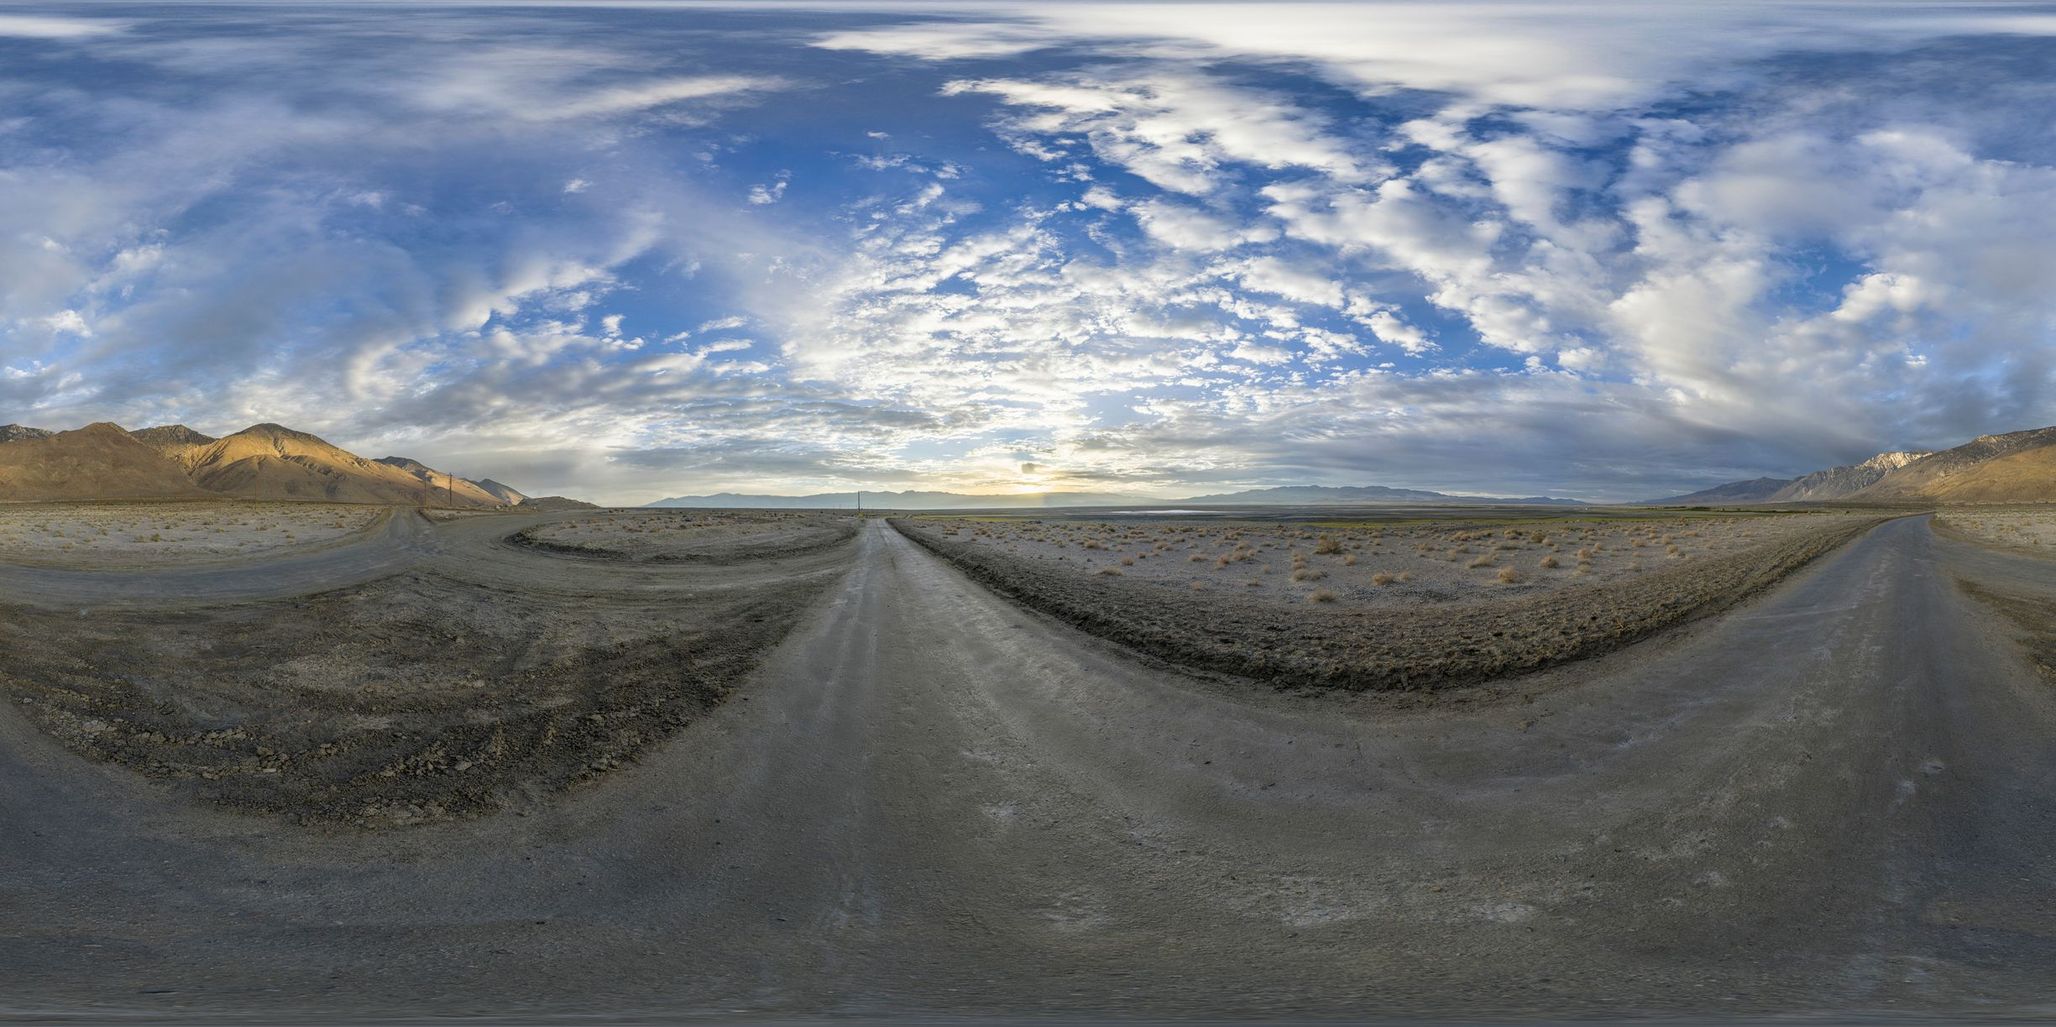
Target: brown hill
[[2018, 467], [170, 438], [442, 484], [98, 461], [549, 504], [504, 493], [270, 461], [1755, 490]]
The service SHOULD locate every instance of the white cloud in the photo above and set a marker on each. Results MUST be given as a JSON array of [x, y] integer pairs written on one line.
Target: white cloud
[[1101, 197], [1187, 227], [644, 96], [1527, 55], [1298, 284], [940, 41], [33, 26], [1257, 353], [536, 83], [1173, 130], [720, 324], [764, 194], [1394, 330], [70, 322], [1874, 294]]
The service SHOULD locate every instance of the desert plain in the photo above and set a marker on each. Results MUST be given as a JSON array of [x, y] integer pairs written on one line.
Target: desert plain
[[148, 534], [271, 758]]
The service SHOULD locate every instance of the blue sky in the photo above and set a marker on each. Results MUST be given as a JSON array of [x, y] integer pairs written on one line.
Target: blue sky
[[628, 252]]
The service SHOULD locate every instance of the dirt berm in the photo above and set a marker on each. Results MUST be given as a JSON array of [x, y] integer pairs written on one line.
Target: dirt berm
[[1432, 645]]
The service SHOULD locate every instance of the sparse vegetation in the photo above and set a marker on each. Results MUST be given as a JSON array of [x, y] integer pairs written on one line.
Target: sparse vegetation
[[156, 534], [1450, 623], [692, 536], [2030, 530]]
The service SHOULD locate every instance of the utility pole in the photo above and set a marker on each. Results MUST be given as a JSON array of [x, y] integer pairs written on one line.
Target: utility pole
[[860, 504]]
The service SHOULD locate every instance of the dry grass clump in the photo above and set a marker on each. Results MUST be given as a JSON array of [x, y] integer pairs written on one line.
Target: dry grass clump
[[1110, 572], [1366, 566], [1320, 595]]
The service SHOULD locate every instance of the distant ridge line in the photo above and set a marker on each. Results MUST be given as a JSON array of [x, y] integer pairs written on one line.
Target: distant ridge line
[[1288, 495]]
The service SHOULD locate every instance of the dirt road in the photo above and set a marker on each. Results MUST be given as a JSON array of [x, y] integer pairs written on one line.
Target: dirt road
[[1840, 796]]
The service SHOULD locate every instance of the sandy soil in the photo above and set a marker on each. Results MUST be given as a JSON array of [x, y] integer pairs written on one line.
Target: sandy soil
[[1387, 605], [159, 534], [1995, 576], [662, 536], [2029, 528], [480, 682]]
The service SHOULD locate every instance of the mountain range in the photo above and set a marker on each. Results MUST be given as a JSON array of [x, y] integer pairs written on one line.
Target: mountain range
[[264, 461], [2017, 467], [273, 462], [1289, 495]]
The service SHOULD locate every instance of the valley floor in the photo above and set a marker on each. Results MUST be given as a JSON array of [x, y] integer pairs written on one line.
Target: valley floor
[[1838, 796], [145, 534]]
